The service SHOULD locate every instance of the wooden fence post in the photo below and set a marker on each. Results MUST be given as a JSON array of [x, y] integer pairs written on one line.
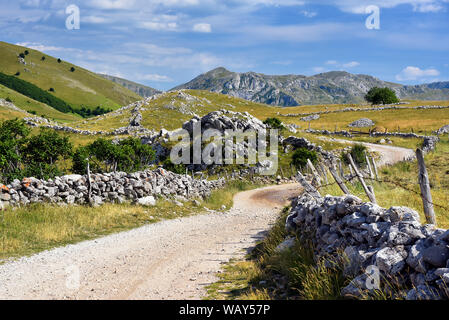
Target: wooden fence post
[[339, 181], [371, 173], [89, 182], [375, 167], [425, 189], [314, 172], [342, 171], [371, 197], [307, 186], [324, 171]]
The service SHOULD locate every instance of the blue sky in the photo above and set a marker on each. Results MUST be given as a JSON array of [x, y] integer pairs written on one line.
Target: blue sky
[[163, 43]]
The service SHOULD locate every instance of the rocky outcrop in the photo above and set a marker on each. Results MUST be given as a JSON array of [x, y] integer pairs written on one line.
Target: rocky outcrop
[[362, 123], [413, 256], [108, 187], [225, 120]]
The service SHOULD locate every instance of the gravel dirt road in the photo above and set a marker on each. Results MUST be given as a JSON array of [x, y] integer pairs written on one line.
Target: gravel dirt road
[[173, 259], [389, 154]]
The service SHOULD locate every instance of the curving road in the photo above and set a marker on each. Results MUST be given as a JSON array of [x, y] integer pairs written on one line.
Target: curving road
[[173, 259]]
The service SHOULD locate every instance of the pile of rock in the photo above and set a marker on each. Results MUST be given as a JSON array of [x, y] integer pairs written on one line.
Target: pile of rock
[[311, 118], [362, 123], [443, 130], [108, 187], [225, 120], [413, 256]]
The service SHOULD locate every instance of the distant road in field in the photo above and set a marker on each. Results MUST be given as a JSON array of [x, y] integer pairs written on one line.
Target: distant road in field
[[388, 154], [173, 259]]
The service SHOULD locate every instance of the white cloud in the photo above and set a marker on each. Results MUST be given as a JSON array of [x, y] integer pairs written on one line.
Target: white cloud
[[202, 27], [159, 26], [331, 62], [112, 4], [93, 19], [153, 77], [415, 73], [351, 64], [308, 14], [358, 6]]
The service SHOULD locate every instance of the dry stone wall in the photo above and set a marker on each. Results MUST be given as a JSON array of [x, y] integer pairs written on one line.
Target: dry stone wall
[[412, 255], [108, 187]]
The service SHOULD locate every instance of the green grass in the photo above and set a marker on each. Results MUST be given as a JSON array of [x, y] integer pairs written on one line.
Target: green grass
[[38, 227], [30, 105], [405, 174], [79, 88]]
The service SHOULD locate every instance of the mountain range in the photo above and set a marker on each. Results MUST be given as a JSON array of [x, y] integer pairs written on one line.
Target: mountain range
[[293, 90]]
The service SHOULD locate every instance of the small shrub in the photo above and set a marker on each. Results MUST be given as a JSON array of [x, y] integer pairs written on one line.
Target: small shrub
[[59, 60], [175, 168], [43, 58], [8, 99], [26, 52], [274, 123], [51, 90], [72, 69], [32, 112], [17, 73], [300, 156], [22, 55], [358, 155]]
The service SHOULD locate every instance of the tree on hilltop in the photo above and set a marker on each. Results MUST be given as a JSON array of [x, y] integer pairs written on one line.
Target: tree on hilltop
[[381, 96]]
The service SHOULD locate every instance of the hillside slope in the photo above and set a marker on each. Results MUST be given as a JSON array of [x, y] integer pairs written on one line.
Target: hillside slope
[[78, 88], [293, 90], [140, 89], [31, 106]]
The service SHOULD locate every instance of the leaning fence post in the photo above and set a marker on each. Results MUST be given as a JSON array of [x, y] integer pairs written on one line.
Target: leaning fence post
[[371, 197], [371, 174], [342, 172], [375, 167], [323, 170], [339, 181], [425, 189], [307, 186], [314, 172]]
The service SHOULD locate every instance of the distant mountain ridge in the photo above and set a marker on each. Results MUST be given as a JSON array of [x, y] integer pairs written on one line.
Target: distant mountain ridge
[[292, 90], [140, 89]]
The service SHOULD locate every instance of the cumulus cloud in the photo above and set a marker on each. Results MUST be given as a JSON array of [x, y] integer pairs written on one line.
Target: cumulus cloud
[[202, 27], [415, 73]]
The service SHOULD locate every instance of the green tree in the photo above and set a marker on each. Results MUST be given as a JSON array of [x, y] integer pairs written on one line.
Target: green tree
[[47, 147], [300, 156], [381, 96], [13, 134]]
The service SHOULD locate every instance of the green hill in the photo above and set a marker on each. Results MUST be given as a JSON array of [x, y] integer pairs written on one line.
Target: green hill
[[79, 87], [31, 106]]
